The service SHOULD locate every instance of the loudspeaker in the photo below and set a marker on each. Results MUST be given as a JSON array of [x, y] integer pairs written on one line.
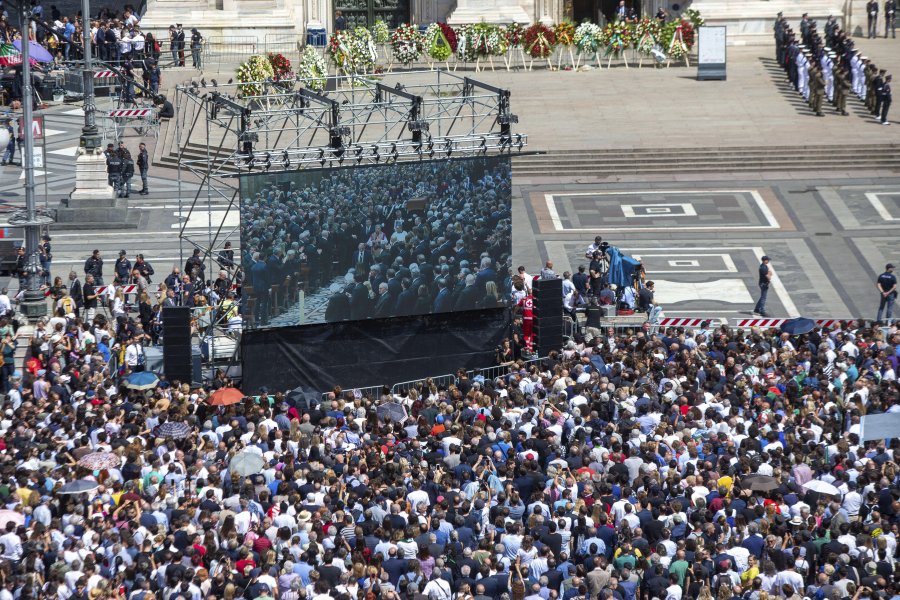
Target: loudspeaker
[[548, 315], [177, 356], [594, 315]]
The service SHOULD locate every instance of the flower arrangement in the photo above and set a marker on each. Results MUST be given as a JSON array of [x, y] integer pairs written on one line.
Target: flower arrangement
[[646, 35], [687, 34], [488, 40], [281, 66], [466, 46], [380, 32], [437, 44], [312, 69], [514, 33], [618, 37], [496, 41], [251, 73], [565, 33], [587, 38], [363, 49], [693, 15], [407, 44], [538, 41], [340, 49], [675, 36]]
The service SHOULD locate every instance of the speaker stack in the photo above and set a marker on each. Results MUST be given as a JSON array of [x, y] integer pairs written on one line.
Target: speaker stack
[[548, 315], [176, 330]]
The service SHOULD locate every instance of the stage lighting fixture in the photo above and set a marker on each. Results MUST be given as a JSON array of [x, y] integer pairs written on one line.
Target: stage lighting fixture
[[268, 161], [448, 146], [375, 153], [285, 160], [431, 153], [203, 82], [483, 146], [519, 141], [394, 153], [215, 83]]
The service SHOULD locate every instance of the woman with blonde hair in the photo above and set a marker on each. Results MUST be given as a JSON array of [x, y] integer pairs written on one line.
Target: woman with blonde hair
[[118, 305]]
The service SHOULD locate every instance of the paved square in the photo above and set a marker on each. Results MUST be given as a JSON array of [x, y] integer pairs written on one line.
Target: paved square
[[650, 210]]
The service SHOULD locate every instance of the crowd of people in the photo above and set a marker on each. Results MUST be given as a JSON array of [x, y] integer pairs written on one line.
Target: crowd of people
[[384, 241], [710, 463], [832, 68]]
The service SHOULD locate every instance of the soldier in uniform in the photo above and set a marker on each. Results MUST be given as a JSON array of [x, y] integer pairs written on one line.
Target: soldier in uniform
[[779, 39], [817, 84], [803, 74], [830, 27], [804, 28], [878, 89], [841, 89], [827, 64], [890, 10], [870, 73], [885, 100], [872, 13]]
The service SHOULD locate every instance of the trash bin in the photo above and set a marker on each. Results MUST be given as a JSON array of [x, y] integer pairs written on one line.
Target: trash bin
[[316, 36]]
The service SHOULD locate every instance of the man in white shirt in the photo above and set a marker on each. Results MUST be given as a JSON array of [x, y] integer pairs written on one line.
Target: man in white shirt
[[11, 544], [5, 304]]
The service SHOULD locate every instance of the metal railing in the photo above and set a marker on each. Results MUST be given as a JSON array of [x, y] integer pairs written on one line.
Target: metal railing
[[438, 380]]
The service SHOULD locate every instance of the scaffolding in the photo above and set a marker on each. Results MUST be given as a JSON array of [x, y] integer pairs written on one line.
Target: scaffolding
[[226, 130]]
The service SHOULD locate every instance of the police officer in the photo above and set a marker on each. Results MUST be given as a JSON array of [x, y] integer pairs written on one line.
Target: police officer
[[872, 13], [113, 167], [890, 10], [93, 266], [887, 287], [885, 100]]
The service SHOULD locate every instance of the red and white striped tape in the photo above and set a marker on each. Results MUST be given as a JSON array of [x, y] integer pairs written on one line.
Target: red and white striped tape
[[780, 322], [130, 112], [683, 322], [126, 289], [101, 74]]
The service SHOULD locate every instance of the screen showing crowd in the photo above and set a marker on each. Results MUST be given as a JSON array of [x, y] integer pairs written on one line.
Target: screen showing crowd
[[376, 241]]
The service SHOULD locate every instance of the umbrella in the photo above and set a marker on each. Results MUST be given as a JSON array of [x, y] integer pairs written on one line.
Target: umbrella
[[9, 56], [798, 326], [144, 380], [79, 486], [10, 515], [97, 461], [225, 397], [394, 410], [760, 483], [246, 463], [174, 430], [35, 51], [817, 485]]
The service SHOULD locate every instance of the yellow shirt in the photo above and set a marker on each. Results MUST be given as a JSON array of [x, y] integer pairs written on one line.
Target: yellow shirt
[[749, 575]]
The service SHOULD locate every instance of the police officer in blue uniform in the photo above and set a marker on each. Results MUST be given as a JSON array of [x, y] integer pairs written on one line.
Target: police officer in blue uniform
[[887, 287], [765, 277]]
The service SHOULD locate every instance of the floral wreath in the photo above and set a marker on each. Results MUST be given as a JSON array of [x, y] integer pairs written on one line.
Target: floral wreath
[[588, 38], [312, 69], [407, 44], [618, 37], [513, 34], [646, 34], [466, 47], [252, 73], [364, 51], [281, 66], [441, 41], [539, 40], [380, 32], [565, 33], [340, 49]]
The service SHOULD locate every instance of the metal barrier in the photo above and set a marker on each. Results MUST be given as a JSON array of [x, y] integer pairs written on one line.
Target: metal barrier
[[439, 380], [220, 50], [287, 44]]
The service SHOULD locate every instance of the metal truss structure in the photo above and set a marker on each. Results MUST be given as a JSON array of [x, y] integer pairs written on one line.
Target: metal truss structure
[[225, 130]]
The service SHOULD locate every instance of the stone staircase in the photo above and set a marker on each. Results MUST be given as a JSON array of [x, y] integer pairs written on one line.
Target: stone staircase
[[605, 163], [750, 22]]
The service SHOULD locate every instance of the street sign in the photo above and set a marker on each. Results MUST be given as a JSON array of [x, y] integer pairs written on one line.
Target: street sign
[[37, 158], [37, 127]]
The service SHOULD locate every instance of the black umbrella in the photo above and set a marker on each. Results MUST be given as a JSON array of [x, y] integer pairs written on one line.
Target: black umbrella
[[174, 430], [798, 326], [760, 483]]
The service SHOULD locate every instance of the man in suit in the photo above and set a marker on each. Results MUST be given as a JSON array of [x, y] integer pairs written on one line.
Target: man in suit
[[886, 100], [338, 308], [485, 274], [385, 303], [75, 291], [359, 299], [443, 302], [468, 297]]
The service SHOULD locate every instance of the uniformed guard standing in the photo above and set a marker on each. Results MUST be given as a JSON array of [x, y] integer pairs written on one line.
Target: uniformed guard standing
[[886, 100], [830, 26], [870, 72], [872, 13], [879, 89], [779, 39], [890, 11], [841, 89], [817, 85]]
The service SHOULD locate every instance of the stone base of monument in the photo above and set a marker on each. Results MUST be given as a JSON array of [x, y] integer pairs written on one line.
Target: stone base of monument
[[93, 204]]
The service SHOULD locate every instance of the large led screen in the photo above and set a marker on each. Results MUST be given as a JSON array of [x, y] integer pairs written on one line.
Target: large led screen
[[376, 241]]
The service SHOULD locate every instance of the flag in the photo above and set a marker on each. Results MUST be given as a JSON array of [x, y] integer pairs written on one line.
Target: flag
[[9, 56]]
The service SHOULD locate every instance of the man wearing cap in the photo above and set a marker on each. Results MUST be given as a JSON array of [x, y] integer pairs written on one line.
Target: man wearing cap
[[122, 268], [765, 277], [887, 287], [886, 97], [878, 90]]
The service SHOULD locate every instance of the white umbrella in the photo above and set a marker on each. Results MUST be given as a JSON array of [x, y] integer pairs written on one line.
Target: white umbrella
[[246, 463], [817, 485]]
